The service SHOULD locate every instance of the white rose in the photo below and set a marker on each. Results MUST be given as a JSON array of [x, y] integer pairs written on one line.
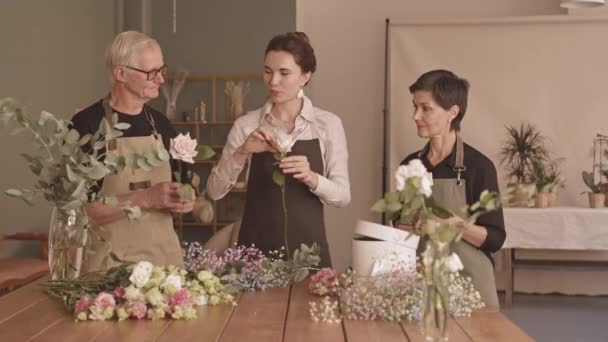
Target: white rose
[[454, 263], [141, 273], [201, 299], [183, 148], [414, 168], [174, 280], [283, 141]]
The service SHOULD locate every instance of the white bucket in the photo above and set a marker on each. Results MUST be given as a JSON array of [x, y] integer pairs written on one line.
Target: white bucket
[[379, 249]]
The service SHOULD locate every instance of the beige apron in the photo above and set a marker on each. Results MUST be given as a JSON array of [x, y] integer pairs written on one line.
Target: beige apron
[[451, 195], [151, 237]]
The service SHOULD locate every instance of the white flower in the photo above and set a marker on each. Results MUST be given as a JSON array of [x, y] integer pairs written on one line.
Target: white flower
[[201, 299], [141, 273], [454, 263], [183, 148], [173, 280], [414, 168], [283, 141]]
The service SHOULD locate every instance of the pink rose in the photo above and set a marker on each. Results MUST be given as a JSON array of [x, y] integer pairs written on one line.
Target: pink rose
[[137, 309], [83, 304], [105, 300], [119, 292], [181, 298]]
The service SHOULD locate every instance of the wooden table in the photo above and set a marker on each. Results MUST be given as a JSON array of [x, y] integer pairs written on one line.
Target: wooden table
[[279, 314]]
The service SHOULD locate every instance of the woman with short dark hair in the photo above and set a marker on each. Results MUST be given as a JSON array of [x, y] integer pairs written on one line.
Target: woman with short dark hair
[[315, 169], [460, 173]]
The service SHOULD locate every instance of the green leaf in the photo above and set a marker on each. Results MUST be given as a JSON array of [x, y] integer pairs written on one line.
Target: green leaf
[[84, 140], [72, 137], [98, 172], [177, 176], [392, 197], [99, 145], [278, 177], [151, 158], [394, 207], [143, 164], [299, 275], [441, 212], [204, 152], [185, 192], [44, 117], [71, 175], [14, 193], [162, 153], [122, 126], [379, 206], [278, 156]]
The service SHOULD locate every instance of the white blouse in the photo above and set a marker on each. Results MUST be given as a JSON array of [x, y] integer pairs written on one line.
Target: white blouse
[[312, 123]]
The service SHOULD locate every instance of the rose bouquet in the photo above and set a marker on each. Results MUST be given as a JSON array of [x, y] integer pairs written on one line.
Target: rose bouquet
[[140, 291]]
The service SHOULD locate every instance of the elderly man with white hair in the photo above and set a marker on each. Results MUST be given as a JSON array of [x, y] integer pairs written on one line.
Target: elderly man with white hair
[[136, 69]]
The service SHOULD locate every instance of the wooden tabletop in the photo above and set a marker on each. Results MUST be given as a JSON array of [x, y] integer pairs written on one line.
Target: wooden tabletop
[[278, 314]]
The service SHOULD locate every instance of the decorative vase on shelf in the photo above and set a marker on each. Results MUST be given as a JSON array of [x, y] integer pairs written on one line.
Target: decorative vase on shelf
[[434, 322], [67, 239]]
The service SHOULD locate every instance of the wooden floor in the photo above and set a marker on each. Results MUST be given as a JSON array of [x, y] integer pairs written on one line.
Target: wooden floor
[[279, 314]]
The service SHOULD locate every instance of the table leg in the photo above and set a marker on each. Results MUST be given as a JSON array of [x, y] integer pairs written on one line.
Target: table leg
[[508, 277]]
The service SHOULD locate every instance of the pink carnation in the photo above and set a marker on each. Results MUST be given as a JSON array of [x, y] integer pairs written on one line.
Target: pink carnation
[[181, 298], [137, 309], [324, 282], [83, 304], [105, 300], [119, 292]]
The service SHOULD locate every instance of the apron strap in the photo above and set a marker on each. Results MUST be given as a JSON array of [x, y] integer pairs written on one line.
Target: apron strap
[[107, 113], [459, 168]]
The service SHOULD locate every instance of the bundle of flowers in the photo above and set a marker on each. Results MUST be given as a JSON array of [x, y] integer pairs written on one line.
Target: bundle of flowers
[[248, 268], [140, 291], [394, 296]]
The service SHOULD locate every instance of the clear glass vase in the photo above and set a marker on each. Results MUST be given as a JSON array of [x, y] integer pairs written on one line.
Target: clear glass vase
[[67, 239], [434, 323]]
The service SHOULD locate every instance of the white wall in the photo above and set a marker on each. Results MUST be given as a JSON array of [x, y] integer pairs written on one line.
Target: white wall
[[348, 38], [52, 58]]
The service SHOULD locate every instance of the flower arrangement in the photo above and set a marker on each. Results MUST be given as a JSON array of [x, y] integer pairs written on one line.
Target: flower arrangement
[[248, 268], [140, 291], [68, 167]]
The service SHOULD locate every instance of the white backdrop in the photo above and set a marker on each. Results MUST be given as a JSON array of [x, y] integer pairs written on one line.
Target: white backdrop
[[545, 70]]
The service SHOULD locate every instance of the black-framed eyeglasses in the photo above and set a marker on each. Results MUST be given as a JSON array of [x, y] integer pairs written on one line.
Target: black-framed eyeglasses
[[150, 75]]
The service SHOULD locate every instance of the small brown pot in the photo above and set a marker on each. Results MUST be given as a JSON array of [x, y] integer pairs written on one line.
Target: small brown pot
[[596, 200], [520, 196], [542, 200], [553, 198]]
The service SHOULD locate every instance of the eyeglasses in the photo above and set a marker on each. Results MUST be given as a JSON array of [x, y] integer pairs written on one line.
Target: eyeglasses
[[150, 75]]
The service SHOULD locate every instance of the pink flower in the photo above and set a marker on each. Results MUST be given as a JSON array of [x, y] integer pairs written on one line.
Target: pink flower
[[324, 282], [137, 309], [119, 292], [181, 298], [83, 304], [105, 300]]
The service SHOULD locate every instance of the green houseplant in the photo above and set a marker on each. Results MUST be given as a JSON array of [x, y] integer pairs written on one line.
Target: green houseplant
[[524, 146], [546, 178]]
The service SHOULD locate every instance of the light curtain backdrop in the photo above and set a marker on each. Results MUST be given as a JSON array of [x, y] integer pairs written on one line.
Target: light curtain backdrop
[[548, 71]]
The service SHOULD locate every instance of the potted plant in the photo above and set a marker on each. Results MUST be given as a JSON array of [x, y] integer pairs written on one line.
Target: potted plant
[[596, 195], [523, 146], [546, 178]]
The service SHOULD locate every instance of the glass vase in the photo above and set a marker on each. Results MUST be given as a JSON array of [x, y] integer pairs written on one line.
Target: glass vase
[[67, 239], [434, 321]]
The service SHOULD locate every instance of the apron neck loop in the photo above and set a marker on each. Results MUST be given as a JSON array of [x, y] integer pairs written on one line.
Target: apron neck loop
[[459, 168], [107, 113]]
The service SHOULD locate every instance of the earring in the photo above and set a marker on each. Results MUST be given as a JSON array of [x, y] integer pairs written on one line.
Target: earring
[[300, 94]]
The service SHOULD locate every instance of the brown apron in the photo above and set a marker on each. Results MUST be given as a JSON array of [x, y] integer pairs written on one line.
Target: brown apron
[[450, 194], [263, 219], [151, 237]]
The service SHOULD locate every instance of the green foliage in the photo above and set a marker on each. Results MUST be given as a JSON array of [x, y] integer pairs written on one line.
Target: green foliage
[[522, 147], [68, 165]]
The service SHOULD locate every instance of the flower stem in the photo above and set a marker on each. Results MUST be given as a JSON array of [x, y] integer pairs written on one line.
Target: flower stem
[[285, 216], [181, 221]]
